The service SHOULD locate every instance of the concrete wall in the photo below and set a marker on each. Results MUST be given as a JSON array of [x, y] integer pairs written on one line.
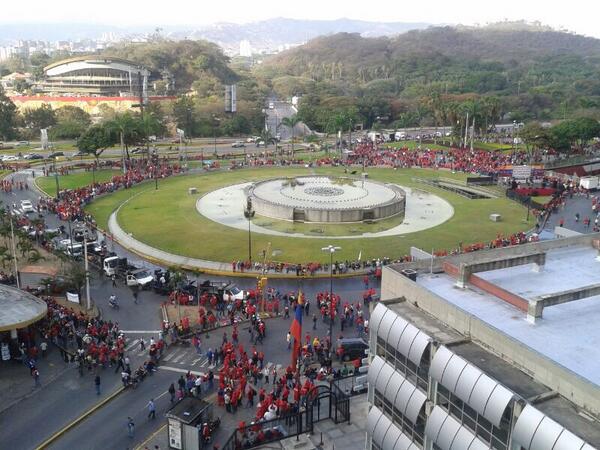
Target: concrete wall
[[567, 383], [284, 212], [517, 250]]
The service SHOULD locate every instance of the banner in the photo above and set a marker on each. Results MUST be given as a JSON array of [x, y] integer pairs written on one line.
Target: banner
[[73, 297]]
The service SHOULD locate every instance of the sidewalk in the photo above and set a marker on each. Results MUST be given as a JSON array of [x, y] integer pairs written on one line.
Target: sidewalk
[[16, 383], [346, 436]]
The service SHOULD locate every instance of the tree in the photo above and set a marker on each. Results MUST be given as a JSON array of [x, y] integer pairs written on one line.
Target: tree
[[95, 140], [8, 116], [39, 118], [291, 123], [76, 277], [183, 110], [127, 129], [535, 137], [71, 122]]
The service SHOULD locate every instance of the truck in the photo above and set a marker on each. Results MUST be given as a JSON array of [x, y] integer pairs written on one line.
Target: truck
[[589, 183], [223, 290], [139, 278], [400, 136], [113, 265], [120, 267]]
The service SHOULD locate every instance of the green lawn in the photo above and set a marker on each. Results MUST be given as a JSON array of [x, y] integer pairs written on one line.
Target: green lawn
[[167, 219], [74, 180]]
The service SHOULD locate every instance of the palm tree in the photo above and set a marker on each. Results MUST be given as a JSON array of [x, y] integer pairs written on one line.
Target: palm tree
[[25, 246], [128, 129], [291, 123], [76, 278], [35, 256]]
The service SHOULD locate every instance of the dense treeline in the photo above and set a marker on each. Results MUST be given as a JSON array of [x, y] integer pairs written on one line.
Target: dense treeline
[[418, 78]]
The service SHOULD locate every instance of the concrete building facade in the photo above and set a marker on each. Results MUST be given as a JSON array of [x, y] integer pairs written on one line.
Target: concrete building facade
[[462, 361]]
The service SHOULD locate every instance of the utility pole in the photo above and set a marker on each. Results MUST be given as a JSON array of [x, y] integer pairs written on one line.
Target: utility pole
[[466, 131], [14, 249], [123, 152], [472, 133], [88, 301]]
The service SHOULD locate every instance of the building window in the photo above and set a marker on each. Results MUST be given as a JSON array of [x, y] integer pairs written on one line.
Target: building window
[[495, 437], [414, 431], [418, 375]]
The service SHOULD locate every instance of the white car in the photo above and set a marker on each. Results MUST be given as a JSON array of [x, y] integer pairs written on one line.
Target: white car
[[27, 206], [9, 158]]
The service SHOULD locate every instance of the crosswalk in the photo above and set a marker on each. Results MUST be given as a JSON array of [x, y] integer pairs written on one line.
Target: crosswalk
[[180, 359]]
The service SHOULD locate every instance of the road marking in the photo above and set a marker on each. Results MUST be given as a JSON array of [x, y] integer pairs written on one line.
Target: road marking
[[177, 369], [135, 342], [196, 360], [169, 356], [152, 436], [179, 357]]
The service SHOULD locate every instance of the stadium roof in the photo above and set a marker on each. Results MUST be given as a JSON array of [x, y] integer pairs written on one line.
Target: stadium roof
[[94, 58]]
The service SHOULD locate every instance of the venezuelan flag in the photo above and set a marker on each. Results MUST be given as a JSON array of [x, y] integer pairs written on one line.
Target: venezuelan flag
[[296, 329]]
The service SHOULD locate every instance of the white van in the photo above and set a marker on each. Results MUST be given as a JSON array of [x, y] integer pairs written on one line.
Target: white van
[[400, 136]]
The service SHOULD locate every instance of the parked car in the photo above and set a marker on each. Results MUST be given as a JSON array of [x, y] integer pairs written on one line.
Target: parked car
[[30, 156], [22, 143], [27, 206], [349, 349]]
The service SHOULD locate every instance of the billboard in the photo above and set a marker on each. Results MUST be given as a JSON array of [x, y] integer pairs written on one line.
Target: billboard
[[231, 98]]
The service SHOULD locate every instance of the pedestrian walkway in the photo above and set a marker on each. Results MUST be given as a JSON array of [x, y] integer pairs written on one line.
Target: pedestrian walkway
[[16, 382]]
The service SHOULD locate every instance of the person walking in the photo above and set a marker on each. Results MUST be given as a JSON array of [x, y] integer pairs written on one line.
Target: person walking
[[114, 280], [36, 377], [314, 321], [288, 338], [130, 427], [97, 384], [151, 409], [135, 297], [172, 392], [142, 345]]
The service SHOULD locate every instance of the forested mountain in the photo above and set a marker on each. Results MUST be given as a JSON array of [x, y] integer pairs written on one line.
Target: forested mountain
[[185, 62], [531, 72]]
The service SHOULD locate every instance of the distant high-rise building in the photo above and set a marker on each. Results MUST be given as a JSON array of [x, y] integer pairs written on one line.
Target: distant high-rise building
[[245, 48]]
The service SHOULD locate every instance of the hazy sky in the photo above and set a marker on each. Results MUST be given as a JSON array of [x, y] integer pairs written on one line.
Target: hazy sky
[[576, 15]]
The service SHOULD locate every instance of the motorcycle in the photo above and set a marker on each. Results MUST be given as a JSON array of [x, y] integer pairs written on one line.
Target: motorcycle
[[112, 302]]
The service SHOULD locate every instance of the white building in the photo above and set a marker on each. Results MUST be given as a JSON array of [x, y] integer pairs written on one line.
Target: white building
[[506, 359], [245, 48]]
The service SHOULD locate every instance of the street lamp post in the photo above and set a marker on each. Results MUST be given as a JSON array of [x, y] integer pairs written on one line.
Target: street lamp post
[[249, 214], [56, 179], [14, 247], [331, 250]]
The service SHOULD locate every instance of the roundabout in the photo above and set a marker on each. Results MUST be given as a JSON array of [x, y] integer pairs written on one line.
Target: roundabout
[[226, 206], [210, 226], [325, 199]]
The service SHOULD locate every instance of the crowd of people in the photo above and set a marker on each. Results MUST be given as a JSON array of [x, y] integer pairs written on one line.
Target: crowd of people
[[70, 204], [92, 343]]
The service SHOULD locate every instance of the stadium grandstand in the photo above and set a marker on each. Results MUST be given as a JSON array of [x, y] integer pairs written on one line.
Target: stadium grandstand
[[95, 76]]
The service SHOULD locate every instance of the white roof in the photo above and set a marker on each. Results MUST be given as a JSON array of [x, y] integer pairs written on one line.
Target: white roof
[[536, 431]]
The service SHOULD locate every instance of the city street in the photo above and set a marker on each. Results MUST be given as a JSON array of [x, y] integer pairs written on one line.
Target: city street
[[59, 403]]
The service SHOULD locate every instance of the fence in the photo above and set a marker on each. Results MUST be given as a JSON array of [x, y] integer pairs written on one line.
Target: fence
[[324, 401], [523, 199], [352, 385]]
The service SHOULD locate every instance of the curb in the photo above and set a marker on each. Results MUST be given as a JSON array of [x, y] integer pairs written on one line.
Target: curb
[[217, 272], [37, 186], [80, 419]]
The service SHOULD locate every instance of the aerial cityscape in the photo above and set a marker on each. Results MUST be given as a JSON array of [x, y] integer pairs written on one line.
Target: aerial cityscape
[[299, 226]]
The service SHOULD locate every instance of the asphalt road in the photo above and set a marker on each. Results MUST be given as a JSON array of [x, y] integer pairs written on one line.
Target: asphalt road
[[55, 406]]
